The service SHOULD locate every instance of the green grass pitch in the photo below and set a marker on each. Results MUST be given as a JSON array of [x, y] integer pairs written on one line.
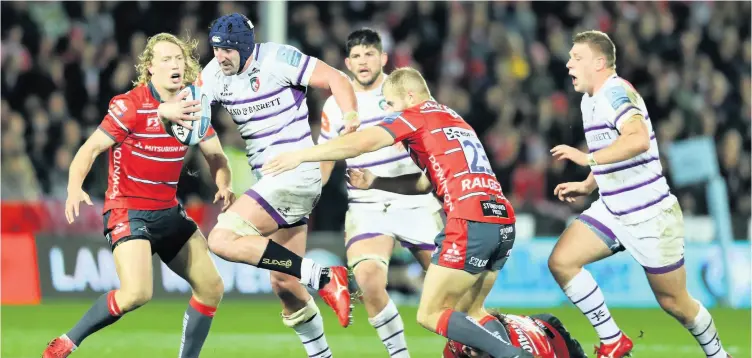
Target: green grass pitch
[[253, 328]]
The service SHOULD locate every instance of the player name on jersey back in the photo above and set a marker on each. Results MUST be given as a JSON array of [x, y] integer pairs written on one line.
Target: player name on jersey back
[[266, 101], [633, 190]]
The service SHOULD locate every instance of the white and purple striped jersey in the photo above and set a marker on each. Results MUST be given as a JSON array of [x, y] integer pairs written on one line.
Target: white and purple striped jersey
[[633, 190], [389, 162], [267, 101]]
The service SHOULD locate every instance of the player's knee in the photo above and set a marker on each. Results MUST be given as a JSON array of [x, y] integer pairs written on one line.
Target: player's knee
[[133, 298], [423, 317], [676, 307], [560, 265], [211, 290], [371, 277], [220, 242], [284, 285]]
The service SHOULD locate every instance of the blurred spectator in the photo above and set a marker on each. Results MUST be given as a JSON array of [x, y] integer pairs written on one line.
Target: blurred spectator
[[499, 64]]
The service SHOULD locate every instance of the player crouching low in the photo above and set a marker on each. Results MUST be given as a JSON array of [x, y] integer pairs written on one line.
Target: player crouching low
[[543, 335]]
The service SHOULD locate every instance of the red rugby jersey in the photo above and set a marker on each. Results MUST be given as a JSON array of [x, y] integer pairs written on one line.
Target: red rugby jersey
[[145, 162], [442, 143]]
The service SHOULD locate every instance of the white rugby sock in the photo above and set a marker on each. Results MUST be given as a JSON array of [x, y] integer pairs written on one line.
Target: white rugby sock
[[310, 331], [310, 273], [584, 292], [391, 330], [704, 331]]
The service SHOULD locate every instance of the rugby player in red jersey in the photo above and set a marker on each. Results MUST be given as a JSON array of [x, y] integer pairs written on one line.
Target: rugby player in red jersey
[[479, 233], [142, 215], [541, 334]]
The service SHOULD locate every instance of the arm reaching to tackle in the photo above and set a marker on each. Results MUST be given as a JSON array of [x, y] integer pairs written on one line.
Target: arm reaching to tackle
[[348, 146], [409, 184]]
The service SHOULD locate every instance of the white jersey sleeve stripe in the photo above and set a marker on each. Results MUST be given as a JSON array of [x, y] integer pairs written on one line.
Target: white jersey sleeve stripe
[[408, 123], [118, 121]]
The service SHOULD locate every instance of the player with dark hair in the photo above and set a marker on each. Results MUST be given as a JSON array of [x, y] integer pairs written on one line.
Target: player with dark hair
[[375, 218], [142, 216], [479, 232], [263, 86]]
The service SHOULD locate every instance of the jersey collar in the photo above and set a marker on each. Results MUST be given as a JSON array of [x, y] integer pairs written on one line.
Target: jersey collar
[[154, 93]]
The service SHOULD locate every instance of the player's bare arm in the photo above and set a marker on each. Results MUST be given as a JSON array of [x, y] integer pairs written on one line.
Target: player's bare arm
[[633, 140], [220, 170], [97, 143], [409, 184], [328, 78], [344, 147]]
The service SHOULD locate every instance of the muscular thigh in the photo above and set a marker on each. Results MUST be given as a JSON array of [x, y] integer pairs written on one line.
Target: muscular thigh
[[588, 239], [443, 287], [472, 301], [133, 263]]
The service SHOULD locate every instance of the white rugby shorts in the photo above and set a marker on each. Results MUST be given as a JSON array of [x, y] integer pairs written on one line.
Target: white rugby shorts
[[413, 228], [289, 197], [657, 244]]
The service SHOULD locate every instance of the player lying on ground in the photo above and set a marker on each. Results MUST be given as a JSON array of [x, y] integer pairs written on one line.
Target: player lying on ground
[[141, 213], [480, 221], [263, 88], [542, 334], [376, 218], [635, 211]]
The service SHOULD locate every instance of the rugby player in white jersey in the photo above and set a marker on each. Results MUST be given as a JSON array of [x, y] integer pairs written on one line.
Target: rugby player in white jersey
[[376, 218], [263, 86], [635, 211]]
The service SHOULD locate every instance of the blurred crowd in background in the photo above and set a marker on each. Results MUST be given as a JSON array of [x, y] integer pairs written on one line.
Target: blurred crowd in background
[[501, 65]]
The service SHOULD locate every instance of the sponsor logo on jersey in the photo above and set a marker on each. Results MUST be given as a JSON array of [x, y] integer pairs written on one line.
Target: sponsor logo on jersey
[[117, 155], [152, 124], [253, 108]]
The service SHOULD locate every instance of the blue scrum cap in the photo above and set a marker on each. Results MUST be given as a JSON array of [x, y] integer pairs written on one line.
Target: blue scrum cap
[[235, 32]]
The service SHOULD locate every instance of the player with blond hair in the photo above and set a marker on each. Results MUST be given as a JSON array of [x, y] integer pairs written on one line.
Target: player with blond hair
[[376, 219], [479, 232], [142, 215], [635, 210]]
